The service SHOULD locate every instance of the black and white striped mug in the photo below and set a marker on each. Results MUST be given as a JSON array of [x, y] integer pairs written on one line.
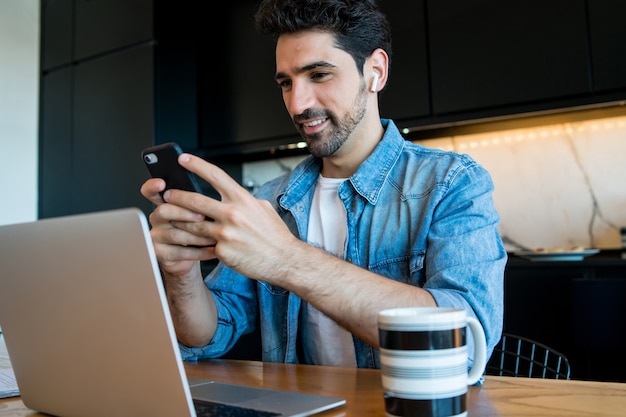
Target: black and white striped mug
[[424, 360]]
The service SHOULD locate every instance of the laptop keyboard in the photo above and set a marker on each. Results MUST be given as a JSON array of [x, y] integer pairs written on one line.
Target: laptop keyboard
[[211, 409]]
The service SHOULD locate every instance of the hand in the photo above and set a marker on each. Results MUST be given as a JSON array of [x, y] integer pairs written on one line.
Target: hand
[[177, 250], [248, 234]]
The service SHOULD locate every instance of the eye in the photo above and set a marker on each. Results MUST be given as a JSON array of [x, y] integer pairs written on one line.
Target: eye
[[284, 84], [320, 76]]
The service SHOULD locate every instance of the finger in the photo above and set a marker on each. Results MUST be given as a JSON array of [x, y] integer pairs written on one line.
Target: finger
[[152, 188], [190, 234], [223, 183], [168, 232], [198, 205], [171, 254], [167, 213]]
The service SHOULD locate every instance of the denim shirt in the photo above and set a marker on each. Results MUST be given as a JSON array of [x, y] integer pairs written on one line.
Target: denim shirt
[[416, 215]]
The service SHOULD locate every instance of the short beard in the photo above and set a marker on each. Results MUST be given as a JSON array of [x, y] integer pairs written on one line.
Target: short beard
[[320, 147]]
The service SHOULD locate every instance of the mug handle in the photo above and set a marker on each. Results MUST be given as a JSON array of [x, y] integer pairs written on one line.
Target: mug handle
[[480, 351]]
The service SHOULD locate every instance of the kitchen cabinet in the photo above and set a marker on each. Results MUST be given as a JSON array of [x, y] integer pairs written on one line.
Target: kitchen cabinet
[[73, 30], [492, 54], [407, 94], [112, 130], [96, 119], [237, 82], [504, 59], [608, 44], [55, 144], [96, 105], [57, 33], [103, 26], [575, 307], [117, 76]]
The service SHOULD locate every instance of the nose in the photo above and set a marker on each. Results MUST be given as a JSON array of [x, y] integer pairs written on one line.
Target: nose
[[299, 98]]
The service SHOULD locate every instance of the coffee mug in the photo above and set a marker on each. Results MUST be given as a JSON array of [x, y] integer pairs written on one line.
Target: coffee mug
[[424, 360]]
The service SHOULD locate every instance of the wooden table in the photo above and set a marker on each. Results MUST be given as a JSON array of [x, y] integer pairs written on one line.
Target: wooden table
[[499, 396]]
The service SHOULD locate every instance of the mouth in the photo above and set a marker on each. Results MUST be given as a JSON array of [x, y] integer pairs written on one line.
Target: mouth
[[313, 126]]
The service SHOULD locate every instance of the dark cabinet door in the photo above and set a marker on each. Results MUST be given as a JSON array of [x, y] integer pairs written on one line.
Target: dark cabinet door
[[407, 94], [258, 108], [259, 111], [241, 106], [113, 122], [106, 25], [497, 53], [56, 33], [608, 43], [55, 144]]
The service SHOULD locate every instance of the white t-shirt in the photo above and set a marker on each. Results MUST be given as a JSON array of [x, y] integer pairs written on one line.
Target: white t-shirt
[[323, 340]]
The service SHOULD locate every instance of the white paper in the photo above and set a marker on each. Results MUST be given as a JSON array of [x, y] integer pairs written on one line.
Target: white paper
[[8, 385]]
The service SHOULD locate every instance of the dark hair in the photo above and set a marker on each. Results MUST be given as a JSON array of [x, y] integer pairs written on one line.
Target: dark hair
[[358, 25]]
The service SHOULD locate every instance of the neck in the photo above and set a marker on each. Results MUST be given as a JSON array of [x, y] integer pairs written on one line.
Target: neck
[[348, 158]]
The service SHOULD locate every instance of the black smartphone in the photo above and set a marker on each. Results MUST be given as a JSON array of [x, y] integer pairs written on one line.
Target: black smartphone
[[162, 162]]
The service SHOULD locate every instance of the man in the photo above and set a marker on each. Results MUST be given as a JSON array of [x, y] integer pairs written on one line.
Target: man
[[367, 222]]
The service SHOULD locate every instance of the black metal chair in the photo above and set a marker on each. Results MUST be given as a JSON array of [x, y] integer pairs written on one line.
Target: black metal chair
[[519, 356]]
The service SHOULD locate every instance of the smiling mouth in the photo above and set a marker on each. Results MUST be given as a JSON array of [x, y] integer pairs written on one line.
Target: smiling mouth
[[312, 127], [314, 123]]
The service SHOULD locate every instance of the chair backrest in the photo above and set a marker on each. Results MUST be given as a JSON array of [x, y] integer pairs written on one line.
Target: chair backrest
[[519, 356]]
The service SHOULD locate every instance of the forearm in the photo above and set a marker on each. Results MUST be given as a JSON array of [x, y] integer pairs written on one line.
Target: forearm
[[192, 307], [350, 295]]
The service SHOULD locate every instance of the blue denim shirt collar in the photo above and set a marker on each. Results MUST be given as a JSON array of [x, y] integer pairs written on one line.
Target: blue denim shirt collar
[[381, 161]]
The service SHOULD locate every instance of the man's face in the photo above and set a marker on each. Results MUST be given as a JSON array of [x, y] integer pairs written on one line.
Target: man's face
[[322, 89]]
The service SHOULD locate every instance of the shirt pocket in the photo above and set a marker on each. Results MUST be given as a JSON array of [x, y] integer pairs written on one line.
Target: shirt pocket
[[274, 307], [273, 289], [408, 269]]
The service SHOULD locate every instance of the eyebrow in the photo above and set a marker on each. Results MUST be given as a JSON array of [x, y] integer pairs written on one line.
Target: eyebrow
[[309, 67]]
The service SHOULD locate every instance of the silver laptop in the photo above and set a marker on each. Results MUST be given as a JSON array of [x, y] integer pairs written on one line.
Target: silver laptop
[[88, 330]]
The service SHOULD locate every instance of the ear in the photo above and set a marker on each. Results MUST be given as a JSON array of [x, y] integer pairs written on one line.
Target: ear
[[376, 70], [375, 78]]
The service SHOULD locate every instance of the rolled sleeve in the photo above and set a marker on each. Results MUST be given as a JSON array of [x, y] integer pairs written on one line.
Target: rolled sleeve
[[235, 300], [466, 257]]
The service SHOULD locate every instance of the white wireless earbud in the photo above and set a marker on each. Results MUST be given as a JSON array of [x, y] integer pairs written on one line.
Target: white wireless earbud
[[374, 82]]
